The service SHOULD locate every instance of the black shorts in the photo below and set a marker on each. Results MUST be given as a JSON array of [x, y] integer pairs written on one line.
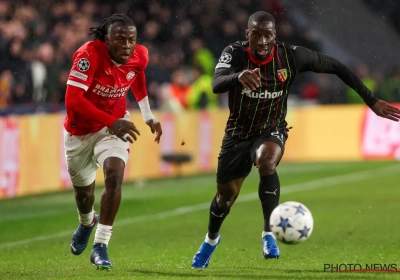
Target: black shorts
[[236, 158]]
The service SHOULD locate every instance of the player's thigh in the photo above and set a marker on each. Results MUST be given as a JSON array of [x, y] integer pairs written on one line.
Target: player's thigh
[[269, 149], [79, 158], [234, 161], [110, 146]]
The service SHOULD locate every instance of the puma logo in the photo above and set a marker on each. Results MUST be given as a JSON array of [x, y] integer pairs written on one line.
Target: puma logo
[[218, 216], [274, 192]]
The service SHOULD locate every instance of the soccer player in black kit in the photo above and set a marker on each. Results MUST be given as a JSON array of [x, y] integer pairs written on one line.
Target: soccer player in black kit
[[258, 74]]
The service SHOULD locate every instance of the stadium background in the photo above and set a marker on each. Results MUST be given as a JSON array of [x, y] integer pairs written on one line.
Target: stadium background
[[185, 39], [340, 161]]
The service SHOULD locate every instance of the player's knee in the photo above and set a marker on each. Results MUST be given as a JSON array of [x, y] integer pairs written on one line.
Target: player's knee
[[227, 194], [225, 201], [267, 166], [83, 194]]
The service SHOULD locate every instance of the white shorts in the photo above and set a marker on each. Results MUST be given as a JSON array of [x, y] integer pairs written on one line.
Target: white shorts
[[86, 153]]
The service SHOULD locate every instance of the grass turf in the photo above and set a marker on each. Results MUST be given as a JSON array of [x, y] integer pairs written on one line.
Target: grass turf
[[162, 223]]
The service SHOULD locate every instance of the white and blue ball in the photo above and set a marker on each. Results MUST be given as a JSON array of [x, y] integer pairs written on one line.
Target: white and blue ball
[[291, 222]]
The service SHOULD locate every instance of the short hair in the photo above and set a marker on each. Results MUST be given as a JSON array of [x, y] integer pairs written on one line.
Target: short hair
[[101, 31], [260, 16]]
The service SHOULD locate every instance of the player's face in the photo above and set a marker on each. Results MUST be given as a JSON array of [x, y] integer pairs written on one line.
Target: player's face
[[261, 36], [121, 42]]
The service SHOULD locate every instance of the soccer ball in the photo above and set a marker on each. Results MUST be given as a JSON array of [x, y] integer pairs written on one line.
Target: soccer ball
[[291, 222]]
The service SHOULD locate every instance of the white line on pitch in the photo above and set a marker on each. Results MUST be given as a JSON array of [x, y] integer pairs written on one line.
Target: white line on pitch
[[310, 185], [54, 205]]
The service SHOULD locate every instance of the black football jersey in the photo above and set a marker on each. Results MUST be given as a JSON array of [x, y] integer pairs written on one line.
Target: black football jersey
[[264, 110]]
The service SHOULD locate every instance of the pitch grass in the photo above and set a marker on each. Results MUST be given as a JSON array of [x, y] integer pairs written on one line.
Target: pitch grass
[[356, 221]]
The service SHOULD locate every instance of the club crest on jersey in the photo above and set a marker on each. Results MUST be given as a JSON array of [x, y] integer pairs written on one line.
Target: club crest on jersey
[[282, 75], [130, 75], [83, 64]]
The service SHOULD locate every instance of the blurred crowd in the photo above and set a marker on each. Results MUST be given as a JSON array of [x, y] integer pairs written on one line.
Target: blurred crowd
[[184, 38], [389, 9]]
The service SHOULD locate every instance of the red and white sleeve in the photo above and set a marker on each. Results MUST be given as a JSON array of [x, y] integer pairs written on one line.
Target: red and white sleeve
[[83, 68]]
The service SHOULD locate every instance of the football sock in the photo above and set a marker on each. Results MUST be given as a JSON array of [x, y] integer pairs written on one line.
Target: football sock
[[217, 216], [86, 220], [265, 233], [269, 193], [103, 234], [211, 241]]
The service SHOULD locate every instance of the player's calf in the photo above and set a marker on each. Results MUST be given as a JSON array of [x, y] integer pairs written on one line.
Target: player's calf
[[218, 213], [269, 194]]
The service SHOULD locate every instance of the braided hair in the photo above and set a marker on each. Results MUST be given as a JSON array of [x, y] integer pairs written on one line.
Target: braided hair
[[100, 32], [260, 16]]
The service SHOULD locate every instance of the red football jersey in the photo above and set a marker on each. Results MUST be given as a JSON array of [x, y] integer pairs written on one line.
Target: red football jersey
[[106, 83]]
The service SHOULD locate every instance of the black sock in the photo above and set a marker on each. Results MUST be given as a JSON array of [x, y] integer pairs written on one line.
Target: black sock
[[269, 192], [217, 217]]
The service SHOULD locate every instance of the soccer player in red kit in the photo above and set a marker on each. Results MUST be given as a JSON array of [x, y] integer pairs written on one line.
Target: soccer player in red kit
[[98, 128]]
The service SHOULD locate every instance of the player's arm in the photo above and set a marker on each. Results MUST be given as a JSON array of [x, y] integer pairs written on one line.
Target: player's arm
[[139, 90], [229, 71], [308, 60], [76, 102], [79, 80], [80, 77]]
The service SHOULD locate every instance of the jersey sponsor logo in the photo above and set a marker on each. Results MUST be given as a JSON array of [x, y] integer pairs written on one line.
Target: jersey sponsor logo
[[130, 75], [79, 75], [282, 74], [109, 91], [222, 65], [262, 95], [225, 58], [83, 64]]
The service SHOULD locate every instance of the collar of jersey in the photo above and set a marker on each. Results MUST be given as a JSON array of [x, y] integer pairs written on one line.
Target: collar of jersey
[[116, 63], [261, 62]]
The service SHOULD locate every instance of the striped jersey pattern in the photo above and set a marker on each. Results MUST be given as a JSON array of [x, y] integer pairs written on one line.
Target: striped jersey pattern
[[253, 113]]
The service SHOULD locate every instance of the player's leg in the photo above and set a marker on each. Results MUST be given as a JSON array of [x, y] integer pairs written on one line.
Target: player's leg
[[112, 154], [220, 206], [267, 158], [234, 164], [82, 171], [88, 218], [224, 199], [113, 168]]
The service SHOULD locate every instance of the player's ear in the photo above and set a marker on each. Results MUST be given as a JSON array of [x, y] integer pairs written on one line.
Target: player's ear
[[106, 39], [247, 34]]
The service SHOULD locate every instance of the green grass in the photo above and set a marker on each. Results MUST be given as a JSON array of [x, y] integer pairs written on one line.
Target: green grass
[[162, 223]]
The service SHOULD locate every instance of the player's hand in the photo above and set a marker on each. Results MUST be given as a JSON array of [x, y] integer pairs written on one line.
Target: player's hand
[[155, 128], [125, 130], [250, 79], [384, 110]]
